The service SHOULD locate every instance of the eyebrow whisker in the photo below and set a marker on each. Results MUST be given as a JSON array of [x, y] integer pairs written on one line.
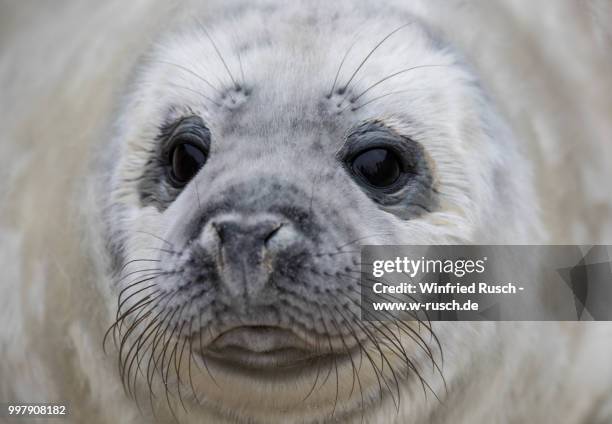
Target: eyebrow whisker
[[388, 77], [363, 62]]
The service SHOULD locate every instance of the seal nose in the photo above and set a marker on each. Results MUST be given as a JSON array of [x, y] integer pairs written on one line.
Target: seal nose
[[255, 233], [247, 247]]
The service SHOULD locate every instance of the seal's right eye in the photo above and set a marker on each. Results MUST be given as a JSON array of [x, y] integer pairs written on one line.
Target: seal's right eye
[[186, 159], [185, 148]]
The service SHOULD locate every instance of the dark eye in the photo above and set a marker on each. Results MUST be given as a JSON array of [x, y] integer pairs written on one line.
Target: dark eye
[[186, 160], [378, 167]]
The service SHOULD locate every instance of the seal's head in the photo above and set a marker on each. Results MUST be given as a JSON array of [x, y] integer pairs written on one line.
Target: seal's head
[[249, 166]]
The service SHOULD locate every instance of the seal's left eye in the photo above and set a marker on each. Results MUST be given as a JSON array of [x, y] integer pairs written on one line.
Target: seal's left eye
[[186, 160], [379, 167]]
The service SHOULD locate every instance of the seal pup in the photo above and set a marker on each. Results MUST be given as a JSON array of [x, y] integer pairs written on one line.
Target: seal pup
[[246, 169]]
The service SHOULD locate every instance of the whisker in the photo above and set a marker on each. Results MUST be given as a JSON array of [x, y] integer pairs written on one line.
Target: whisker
[[409, 331], [189, 71], [136, 260], [156, 340], [197, 192], [384, 359], [150, 278], [137, 345], [177, 366], [118, 321], [403, 71], [331, 348], [203, 27], [354, 368], [331, 91], [138, 271], [336, 253], [199, 93], [136, 356], [236, 49], [363, 350], [381, 42], [363, 238], [163, 358], [203, 358], [356, 108], [149, 330], [159, 249], [193, 390], [400, 351], [155, 236], [317, 349]]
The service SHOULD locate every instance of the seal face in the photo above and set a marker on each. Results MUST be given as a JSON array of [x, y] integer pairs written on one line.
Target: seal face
[[238, 200]]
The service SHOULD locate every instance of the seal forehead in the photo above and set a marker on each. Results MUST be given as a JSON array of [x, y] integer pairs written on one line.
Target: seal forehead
[[289, 72]]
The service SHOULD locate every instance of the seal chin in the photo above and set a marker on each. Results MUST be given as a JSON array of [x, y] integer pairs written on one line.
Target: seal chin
[[261, 348]]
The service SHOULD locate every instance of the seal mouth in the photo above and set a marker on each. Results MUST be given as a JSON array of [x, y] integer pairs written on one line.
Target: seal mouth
[[261, 347]]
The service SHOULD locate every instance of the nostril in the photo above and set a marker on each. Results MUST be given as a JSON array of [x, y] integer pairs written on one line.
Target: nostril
[[273, 232], [247, 233], [219, 229], [231, 230]]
